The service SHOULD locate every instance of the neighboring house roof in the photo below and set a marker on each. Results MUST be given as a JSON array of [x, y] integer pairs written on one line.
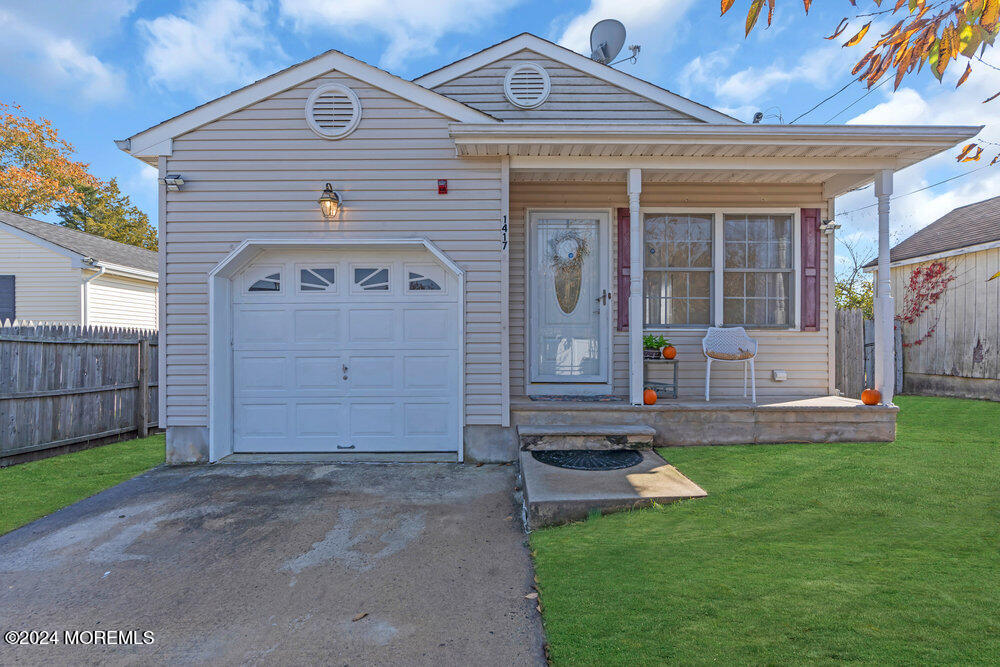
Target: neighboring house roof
[[155, 140], [965, 227], [85, 245], [577, 61]]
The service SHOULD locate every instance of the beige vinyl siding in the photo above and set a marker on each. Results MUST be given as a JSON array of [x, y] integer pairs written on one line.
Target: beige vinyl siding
[[804, 355], [965, 322], [123, 302], [46, 286], [574, 95], [258, 172]]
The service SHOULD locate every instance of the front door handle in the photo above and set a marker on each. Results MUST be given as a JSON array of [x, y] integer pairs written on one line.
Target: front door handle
[[603, 299]]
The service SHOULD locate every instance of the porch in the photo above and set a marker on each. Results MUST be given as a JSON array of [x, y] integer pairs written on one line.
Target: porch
[[637, 176], [723, 422]]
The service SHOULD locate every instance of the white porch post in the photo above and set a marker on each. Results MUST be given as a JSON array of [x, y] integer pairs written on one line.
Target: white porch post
[[885, 375], [635, 322]]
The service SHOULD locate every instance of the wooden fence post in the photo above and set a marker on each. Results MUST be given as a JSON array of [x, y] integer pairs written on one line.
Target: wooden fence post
[[142, 397]]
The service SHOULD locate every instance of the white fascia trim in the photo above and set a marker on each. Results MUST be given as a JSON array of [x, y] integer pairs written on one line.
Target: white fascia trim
[[140, 144], [129, 272], [77, 260], [979, 247], [579, 62], [909, 136], [262, 244]]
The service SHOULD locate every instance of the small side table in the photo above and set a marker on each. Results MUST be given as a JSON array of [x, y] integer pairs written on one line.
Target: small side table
[[659, 387]]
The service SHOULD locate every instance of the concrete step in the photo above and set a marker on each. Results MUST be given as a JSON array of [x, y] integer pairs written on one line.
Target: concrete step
[[557, 495], [585, 436]]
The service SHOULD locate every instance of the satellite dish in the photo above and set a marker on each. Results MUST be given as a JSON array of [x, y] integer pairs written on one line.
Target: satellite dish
[[607, 38]]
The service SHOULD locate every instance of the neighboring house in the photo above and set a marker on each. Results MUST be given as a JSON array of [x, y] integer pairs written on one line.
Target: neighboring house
[[951, 342], [51, 273], [510, 225]]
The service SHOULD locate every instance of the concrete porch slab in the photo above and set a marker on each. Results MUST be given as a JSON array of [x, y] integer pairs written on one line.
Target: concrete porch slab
[[558, 495]]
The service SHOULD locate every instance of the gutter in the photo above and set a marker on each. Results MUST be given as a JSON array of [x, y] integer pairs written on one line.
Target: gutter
[[101, 269]]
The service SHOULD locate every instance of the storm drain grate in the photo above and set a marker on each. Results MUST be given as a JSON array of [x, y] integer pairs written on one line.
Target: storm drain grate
[[589, 459]]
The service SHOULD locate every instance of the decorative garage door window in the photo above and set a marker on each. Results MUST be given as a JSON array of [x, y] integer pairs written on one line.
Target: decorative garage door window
[[420, 282], [317, 279], [371, 279], [269, 283], [567, 251]]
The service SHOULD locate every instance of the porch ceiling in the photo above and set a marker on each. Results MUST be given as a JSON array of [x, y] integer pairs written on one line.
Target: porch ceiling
[[838, 157]]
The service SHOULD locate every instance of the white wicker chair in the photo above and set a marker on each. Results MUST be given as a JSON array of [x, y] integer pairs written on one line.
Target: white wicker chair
[[730, 344]]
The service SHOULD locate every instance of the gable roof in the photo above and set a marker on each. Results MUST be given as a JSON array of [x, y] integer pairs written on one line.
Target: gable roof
[[964, 227], [83, 244], [155, 140], [575, 60]]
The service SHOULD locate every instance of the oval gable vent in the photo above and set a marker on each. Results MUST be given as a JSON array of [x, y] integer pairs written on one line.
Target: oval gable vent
[[333, 111], [527, 85]]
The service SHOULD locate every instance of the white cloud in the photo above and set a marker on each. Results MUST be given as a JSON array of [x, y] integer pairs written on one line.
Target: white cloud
[[412, 27], [54, 48], [935, 105], [211, 46]]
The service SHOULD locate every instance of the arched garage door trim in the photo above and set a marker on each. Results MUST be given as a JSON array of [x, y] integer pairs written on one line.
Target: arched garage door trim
[[220, 371]]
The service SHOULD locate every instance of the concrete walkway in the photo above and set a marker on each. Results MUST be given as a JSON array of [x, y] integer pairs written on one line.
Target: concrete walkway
[[266, 563]]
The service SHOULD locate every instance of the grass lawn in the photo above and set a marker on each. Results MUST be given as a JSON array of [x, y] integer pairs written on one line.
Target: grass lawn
[[32, 490], [801, 553]]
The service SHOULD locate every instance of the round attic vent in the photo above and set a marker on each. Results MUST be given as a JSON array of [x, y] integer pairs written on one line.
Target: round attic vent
[[333, 111], [527, 85]]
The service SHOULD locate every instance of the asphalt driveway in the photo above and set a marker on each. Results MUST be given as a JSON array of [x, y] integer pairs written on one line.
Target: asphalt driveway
[[340, 564]]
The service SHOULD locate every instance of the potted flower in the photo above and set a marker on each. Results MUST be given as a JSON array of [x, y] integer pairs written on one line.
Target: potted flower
[[652, 346]]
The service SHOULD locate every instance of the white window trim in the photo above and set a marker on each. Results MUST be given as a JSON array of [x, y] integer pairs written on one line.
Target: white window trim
[[718, 259], [333, 289]]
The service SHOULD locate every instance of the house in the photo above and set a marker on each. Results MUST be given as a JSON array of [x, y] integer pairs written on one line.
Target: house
[[51, 273], [946, 305], [493, 239]]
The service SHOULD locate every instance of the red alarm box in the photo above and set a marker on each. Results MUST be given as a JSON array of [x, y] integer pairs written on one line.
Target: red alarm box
[[442, 186]]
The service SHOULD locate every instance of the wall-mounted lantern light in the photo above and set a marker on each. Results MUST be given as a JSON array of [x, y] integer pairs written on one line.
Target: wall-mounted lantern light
[[330, 202], [173, 181]]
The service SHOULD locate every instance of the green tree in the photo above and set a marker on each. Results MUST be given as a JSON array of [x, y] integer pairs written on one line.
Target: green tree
[[105, 211]]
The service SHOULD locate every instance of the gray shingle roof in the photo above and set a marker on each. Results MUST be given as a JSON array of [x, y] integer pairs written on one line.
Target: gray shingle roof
[[88, 245], [965, 226]]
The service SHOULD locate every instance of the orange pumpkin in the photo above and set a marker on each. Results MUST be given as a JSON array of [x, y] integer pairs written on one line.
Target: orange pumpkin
[[871, 397], [669, 352], [649, 397]]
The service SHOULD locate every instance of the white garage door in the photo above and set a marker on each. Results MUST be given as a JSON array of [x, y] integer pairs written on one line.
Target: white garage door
[[346, 351]]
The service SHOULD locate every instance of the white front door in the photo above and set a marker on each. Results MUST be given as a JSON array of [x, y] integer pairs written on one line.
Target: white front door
[[346, 350], [569, 303]]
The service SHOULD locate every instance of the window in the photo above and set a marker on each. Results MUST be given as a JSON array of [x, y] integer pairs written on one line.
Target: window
[[421, 282], [7, 299], [372, 279], [758, 276], [269, 283], [677, 282], [317, 279]]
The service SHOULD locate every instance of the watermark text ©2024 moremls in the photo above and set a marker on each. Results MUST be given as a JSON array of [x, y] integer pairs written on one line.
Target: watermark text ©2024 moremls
[[79, 637]]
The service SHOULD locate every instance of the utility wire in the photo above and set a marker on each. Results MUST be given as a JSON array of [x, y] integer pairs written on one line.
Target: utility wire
[[823, 101], [913, 192], [870, 91]]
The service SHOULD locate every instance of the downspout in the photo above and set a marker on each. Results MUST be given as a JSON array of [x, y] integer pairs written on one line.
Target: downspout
[[83, 287]]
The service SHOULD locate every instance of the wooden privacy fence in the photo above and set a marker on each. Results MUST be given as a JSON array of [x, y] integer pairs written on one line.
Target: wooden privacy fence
[[855, 353], [66, 384]]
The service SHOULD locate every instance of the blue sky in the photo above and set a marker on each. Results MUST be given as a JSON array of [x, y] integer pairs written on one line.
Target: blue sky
[[105, 69]]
